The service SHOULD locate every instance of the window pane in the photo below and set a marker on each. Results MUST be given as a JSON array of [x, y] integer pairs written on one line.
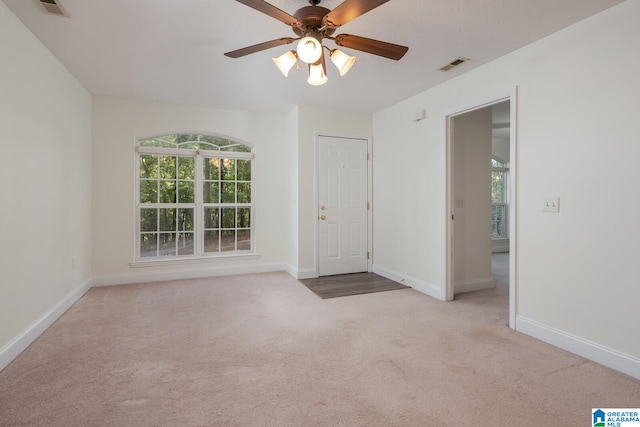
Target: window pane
[[148, 220], [244, 240], [497, 187], [244, 192], [498, 221], [228, 240], [186, 192], [497, 164], [228, 169], [185, 219], [239, 148], [167, 167], [148, 166], [167, 244], [211, 169], [167, 219], [243, 218], [167, 191], [186, 168], [163, 141], [212, 241], [210, 192], [149, 191], [228, 192], [148, 245], [185, 244], [211, 218], [228, 217], [244, 170]]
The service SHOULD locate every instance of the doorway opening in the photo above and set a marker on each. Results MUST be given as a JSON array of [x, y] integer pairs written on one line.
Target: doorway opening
[[481, 202]]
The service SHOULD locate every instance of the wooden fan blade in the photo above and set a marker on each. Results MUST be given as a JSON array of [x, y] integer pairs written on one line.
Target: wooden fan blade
[[271, 10], [376, 47], [349, 10], [259, 47]]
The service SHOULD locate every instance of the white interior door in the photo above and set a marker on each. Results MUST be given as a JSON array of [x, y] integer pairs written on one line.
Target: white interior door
[[342, 205]]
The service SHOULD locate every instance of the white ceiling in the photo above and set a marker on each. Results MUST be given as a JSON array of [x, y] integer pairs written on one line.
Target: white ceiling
[[172, 50]]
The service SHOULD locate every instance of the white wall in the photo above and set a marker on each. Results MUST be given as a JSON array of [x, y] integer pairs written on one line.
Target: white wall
[[310, 122], [472, 201], [45, 186], [292, 188], [501, 148], [118, 122], [285, 164], [578, 101]]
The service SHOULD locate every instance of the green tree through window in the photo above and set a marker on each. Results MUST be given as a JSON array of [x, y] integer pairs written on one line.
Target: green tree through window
[[194, 196], [499, 175]]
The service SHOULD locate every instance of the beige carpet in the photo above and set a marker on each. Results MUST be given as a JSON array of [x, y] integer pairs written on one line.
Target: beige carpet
[[261, 350]]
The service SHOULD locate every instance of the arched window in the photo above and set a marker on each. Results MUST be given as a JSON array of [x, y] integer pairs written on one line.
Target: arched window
[[194, 197]]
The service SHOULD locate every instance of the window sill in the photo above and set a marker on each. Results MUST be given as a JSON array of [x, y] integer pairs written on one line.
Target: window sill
[[193, 260]]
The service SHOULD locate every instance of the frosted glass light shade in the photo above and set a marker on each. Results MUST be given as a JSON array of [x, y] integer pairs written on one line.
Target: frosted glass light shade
[[317, 76], [309, 49], [285, 61], [342, 61]]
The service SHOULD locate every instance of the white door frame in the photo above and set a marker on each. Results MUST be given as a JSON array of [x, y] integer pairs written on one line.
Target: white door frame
[[316, 204], [448, 290]]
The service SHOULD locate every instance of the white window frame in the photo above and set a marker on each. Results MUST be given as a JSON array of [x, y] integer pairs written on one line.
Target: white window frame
[[198, 206]]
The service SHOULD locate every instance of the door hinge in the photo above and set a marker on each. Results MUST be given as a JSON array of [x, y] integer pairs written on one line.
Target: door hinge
[[368, 158], [452, 217], [368, 206], [368, 255]]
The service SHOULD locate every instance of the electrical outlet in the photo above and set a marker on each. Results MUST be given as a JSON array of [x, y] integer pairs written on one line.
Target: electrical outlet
[[551, 204]]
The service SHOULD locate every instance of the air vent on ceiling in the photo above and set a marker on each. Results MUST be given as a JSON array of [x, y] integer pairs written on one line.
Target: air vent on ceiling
[[453, 64], [53, 7]]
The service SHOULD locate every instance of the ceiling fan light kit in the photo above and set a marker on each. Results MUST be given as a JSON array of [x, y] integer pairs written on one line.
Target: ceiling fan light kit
[[317, 76], [314, 23], [285, 61], [342, 61], [309, 49]]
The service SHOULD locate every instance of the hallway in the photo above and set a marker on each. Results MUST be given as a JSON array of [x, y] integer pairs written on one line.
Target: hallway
[[498, 296]]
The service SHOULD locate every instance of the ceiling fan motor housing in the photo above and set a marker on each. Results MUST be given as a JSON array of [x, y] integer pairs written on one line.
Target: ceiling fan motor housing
[[310, 18]]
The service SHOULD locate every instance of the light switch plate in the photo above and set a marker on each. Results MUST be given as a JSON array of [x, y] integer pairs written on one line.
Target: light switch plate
[[551, 204]]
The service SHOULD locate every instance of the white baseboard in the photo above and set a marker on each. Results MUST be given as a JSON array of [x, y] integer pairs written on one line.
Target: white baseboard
[[473, 285], [308, 273], [17, 345], [420, 286], [605, 356], [164, 275]]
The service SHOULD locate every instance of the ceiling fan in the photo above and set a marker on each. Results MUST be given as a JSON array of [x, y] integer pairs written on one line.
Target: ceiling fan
[[314, 23]]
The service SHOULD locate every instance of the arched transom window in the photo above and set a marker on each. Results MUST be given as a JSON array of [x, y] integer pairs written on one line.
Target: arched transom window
[[194, 197]]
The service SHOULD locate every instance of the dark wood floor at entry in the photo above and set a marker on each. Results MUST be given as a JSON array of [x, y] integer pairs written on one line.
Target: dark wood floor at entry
[[350, 284]]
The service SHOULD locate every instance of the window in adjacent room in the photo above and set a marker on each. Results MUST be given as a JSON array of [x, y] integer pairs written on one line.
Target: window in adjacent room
[[499, 209], [194, 197]]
